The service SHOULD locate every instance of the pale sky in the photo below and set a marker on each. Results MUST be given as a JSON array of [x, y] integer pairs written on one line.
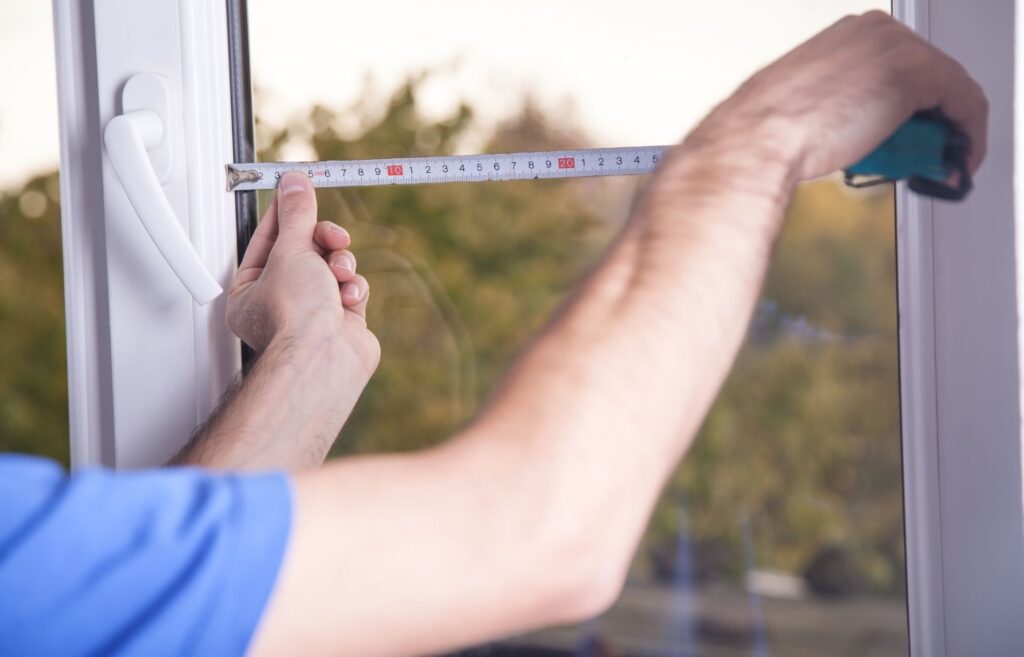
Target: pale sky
[[626, 72]]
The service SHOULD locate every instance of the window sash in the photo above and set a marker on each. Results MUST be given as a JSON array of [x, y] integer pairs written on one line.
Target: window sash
[[960, 374], [145, 364]]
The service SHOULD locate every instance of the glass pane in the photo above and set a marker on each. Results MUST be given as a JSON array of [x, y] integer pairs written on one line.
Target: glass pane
[[33, 371], [782, 533]]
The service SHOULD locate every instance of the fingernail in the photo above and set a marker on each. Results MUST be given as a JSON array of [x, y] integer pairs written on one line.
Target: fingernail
[[335, 228], [353, 292], [345, 262], [293, 182]]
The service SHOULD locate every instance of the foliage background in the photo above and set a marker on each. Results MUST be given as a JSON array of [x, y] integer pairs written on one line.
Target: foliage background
[[33, 382], [800, 455]]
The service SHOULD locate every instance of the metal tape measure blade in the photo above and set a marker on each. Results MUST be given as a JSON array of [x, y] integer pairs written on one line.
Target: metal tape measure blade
[[454, 168]]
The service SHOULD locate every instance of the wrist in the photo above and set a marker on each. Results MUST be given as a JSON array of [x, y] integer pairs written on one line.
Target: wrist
[[313, 357], [279, 414], [745, 170], [758, 155], [753, 125]]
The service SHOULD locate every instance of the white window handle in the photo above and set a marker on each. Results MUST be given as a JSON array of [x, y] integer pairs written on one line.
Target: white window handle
[[127, 138]]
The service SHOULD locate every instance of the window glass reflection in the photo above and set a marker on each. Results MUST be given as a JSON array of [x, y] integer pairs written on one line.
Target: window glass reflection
[[782, 533]]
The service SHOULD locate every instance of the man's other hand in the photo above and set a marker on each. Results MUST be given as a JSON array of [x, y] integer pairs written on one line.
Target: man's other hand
[[298, 301], [298, 281], [830, 101]]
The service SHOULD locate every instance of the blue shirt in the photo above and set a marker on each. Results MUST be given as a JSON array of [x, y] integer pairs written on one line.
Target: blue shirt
[[162, 562]]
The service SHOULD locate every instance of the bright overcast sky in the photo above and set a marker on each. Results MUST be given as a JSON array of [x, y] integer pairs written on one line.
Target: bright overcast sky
[[626, 72]]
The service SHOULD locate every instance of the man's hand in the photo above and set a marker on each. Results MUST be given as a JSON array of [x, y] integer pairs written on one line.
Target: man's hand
[[297, 301], [829, 102], [283, 290]]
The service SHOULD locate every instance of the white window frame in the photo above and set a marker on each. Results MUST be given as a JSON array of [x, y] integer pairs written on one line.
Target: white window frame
[[146, 365], [960, 370]]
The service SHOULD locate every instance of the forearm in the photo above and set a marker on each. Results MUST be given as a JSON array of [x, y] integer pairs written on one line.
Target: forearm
[[529, 517], [610, 396], [284, 413], [421, 552]]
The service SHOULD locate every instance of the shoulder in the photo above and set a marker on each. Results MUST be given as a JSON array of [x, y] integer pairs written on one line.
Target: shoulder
[[84, 554]]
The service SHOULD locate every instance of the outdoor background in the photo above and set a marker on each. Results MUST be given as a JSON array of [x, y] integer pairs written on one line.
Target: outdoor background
[[783, 530]]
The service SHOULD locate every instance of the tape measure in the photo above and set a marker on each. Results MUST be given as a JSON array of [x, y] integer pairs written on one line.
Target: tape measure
[[452, 168], [927, 149]]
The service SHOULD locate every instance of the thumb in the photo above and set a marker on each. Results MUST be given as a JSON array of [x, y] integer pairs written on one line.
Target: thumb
[[296, 213]]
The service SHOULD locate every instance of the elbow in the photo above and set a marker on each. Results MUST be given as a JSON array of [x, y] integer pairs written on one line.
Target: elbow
[[588, 593], [580, 573], [573, 550]]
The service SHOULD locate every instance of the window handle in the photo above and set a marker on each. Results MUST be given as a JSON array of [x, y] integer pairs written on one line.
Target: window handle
[[139, 146]]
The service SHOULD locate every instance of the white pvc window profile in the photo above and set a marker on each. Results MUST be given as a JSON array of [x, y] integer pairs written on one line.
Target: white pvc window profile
[[146, 364], [960, 372]]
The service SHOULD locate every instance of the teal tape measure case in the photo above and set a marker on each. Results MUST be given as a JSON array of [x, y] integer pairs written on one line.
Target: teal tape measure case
[[928, 151]]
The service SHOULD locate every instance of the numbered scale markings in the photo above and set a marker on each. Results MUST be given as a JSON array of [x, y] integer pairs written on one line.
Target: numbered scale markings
[[455, 168]]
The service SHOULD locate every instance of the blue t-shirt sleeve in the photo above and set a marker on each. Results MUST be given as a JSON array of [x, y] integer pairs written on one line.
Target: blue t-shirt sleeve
[[163, 562]]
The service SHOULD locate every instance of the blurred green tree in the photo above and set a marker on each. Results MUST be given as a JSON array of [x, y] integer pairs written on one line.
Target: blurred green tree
[[802, 445], [33, 384], [801, 449], [800, 452]]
